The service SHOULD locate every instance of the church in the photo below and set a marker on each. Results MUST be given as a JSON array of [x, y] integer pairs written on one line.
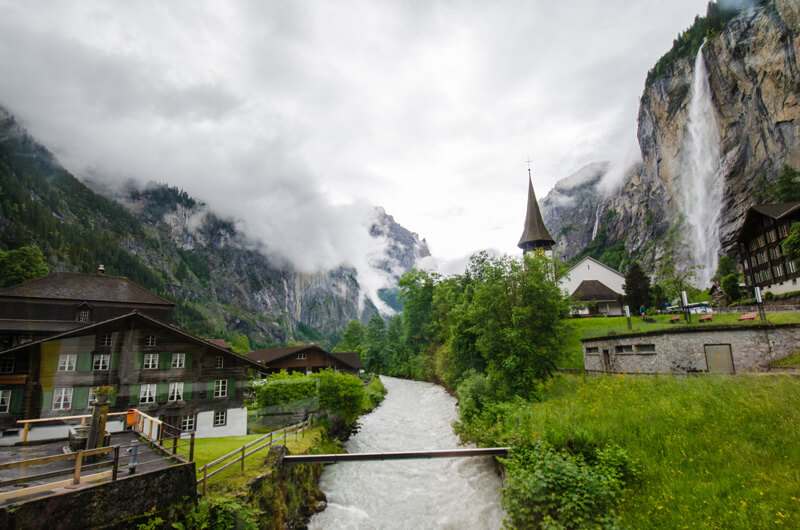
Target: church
[[597, 285]]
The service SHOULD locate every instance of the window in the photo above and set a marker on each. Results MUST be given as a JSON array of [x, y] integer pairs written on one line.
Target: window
[[791, 266], [62, 398], [753, 245], [5, 401], [175, 392], [178, 360], [753, 262], [187, 423], [783, 230], [66, 362], [150, 341], [105, 340], [7, 365], [772, 236], [592, 349], [761, 241], [746, 264], [220, 362], [300, 356], [147, 393], [220, 418], [646, 348], [150, 361], [775, 253], [767, 274], [778, 270], [220, 388], [83, 315], [100, 361], [627, 348]]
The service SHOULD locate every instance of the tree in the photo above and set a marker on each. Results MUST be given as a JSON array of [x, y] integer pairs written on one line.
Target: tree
[[727, 266], [637, 287], [375, 345], [352, 338], [787, 185], [21, 265], [791, 245], [730, 284]]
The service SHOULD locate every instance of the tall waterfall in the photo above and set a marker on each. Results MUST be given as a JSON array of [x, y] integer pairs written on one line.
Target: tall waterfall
[[596, 221], [701, 181]]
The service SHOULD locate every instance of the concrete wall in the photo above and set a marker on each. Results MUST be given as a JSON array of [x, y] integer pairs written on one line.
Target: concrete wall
[[107, 505], [235, 426], [753, 348]]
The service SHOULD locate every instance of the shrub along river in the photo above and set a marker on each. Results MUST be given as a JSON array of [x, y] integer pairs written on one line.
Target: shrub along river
[[437, 493]]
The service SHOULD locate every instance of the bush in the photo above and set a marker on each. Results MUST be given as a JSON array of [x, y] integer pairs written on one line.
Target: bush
[[341, 393], [283, 389]]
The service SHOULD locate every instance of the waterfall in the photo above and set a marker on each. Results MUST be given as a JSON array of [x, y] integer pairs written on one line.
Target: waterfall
[[701, 180], [596, 221]]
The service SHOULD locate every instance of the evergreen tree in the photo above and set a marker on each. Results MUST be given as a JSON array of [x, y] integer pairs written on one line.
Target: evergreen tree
[[730, 284], [637, 287], [787, 185], [352, 338]]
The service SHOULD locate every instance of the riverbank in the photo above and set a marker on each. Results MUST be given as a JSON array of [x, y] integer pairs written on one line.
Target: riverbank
[[696, 452]]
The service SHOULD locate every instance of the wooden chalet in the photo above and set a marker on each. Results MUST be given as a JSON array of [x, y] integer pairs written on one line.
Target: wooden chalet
[[63, 301], [306, 359], [157, 368], [761, 256]]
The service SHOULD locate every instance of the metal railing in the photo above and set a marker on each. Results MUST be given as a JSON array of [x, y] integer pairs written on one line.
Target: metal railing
[[239, 455]]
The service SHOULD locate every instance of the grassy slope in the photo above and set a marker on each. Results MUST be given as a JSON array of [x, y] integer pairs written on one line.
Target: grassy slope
[[716, 451]]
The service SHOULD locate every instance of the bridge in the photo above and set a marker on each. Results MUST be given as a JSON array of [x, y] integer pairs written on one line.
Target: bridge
[[400, 455]]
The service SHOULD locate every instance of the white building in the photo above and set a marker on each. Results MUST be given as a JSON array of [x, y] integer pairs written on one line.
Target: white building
[[591, 281]]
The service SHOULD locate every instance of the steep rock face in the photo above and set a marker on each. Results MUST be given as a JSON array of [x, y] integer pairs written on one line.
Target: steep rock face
[[755, 85]]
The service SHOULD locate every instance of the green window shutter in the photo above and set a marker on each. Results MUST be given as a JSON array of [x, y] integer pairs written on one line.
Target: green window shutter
[[187, 391], [231, 387], [164, 360], [80, 397], [210, 389], [188, 360], [112, 399], [162, 391], [114, 361], [84, 362], [139, 360], [134, 394], [15, 407], [47, 400]]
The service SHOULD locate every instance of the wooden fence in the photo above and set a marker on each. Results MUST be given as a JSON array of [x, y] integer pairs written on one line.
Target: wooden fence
[[239, 455]]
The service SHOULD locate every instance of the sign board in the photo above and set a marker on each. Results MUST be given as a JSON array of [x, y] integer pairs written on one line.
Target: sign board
[[758, 294], [684, 299], [627, 311]]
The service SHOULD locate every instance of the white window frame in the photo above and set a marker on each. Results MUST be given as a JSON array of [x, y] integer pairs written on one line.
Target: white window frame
[[150, 341], [300, 357], [791, 266], [5, 401], [150, 361], [220, 362], [67, 362], [178, 360], [175, 392], [221, 388], [62, 398], [7, 365], [106, 340], [220, 418], [188, 423], [84, 315], [147, 393], [104, 363]]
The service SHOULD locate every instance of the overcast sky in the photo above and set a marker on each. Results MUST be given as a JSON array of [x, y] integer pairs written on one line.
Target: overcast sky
[[295, 117]]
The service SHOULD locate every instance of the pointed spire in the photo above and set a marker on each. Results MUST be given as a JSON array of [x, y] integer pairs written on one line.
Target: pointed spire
[[535, 234]]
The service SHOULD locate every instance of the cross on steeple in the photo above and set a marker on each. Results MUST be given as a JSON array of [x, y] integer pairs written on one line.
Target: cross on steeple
[[529, 161]]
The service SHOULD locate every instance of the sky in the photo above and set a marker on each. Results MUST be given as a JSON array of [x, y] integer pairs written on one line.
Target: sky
[[297, 117]]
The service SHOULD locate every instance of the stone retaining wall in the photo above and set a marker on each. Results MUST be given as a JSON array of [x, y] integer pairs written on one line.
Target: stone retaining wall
[[753, 348]]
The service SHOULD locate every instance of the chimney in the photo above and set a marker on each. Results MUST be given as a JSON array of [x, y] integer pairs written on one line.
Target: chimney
[[101, 270]]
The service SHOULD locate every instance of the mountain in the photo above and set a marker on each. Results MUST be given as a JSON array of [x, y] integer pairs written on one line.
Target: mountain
[[223, 284], [714, 130]]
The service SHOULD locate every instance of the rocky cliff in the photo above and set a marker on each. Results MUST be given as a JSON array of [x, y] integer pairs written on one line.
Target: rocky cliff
[[755, 93], [221, 282]]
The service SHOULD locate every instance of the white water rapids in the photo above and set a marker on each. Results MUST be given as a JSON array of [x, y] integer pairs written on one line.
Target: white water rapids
[[701, 179], [456, 493]]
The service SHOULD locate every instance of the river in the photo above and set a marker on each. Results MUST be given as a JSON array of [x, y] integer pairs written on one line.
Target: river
[[448, 493]]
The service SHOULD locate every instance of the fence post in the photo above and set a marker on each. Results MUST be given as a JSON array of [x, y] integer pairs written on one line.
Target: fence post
[[115, 469], [175, 445], [76, 477], [25, 432], [243, 447], [191, 448], [205, 478]]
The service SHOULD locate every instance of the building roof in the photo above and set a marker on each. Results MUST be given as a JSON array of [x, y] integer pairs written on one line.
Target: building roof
[[77, 286], [269, 355], [134, 315], [220, 343], [778, 209], [594, 291], [534, 230], [589, 258]]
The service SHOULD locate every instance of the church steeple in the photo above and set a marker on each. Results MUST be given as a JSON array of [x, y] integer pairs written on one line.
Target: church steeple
[[535, 234]]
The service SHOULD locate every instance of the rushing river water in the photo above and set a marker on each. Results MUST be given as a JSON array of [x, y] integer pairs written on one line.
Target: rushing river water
[[453, 493]]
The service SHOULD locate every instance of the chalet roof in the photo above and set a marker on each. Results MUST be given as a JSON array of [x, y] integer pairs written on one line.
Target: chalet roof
[[534, 230], [589, 258], [77, 286], [777, 210], [221, 343], [594, 291], [135, 315], [273, 354]]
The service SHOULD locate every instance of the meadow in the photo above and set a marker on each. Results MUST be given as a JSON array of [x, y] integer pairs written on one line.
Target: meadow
[[713, 451]]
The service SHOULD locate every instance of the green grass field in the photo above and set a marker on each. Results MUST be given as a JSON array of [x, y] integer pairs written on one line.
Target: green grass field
[[715, 451]]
